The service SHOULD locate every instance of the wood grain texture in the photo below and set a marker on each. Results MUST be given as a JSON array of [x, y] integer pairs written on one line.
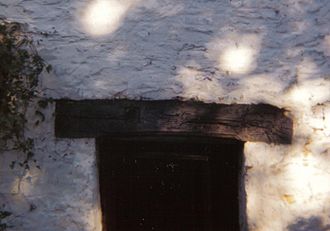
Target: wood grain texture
[[94, 118]]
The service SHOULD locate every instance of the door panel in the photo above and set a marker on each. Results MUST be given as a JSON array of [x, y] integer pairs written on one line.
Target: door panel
[[169, 186]]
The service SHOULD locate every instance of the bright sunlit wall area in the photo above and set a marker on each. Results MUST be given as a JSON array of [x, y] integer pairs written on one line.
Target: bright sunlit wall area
[[103, 17]]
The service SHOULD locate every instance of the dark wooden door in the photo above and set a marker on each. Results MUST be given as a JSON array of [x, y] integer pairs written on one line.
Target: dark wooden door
[[169, 185]]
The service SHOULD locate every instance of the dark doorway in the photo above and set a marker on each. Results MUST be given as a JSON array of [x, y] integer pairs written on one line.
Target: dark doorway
[[169, 183]]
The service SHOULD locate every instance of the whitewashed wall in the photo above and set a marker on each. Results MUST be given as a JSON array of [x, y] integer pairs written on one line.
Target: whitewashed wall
[[223, 51]]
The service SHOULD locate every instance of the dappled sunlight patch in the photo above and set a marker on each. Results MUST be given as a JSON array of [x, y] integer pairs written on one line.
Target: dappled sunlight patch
[[320, 123], [297, 176], [284, 182], [15, 186], [309, 93], [235, 54], [281, 177], [93, 218], [264, 165], [258, 83], [26, 182], [101, 84], [288, 198], [308, 180], [196, 85], [300, 95], [103, 17], [307, 69], [252, 89], [265, 155], [327, 120], [264, 203], [320, 144], [254, 203], [237, 59]]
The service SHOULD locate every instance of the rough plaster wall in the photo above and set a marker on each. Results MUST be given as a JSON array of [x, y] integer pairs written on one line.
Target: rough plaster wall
[[238, 51], [60, 194]]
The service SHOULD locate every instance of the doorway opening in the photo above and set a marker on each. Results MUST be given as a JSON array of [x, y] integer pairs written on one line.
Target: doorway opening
[[170, 183], [198, 184]]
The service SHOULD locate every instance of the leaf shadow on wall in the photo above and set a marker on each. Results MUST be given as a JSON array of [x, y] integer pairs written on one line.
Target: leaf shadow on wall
[[313, 223]]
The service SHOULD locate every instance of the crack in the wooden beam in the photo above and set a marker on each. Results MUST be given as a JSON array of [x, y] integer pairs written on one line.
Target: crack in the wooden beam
[[123, 118], [171, 115], [226, 122]]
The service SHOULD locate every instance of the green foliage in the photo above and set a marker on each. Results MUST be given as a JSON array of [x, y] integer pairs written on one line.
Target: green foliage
[[20, 66]]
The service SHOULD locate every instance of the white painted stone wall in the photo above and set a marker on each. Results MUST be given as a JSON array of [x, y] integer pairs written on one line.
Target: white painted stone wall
[[223, 51]]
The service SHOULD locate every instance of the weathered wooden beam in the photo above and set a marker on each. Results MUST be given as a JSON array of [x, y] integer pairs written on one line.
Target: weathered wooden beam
[[93, 118]]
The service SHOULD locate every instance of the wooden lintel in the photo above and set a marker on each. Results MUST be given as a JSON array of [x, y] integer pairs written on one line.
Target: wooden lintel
[[94, 118]]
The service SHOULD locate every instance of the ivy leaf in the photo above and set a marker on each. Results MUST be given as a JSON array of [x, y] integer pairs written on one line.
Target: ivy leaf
[[12, 164], [43, 103], [49, 68], [42, 116], [20, 66], [4, 214]]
